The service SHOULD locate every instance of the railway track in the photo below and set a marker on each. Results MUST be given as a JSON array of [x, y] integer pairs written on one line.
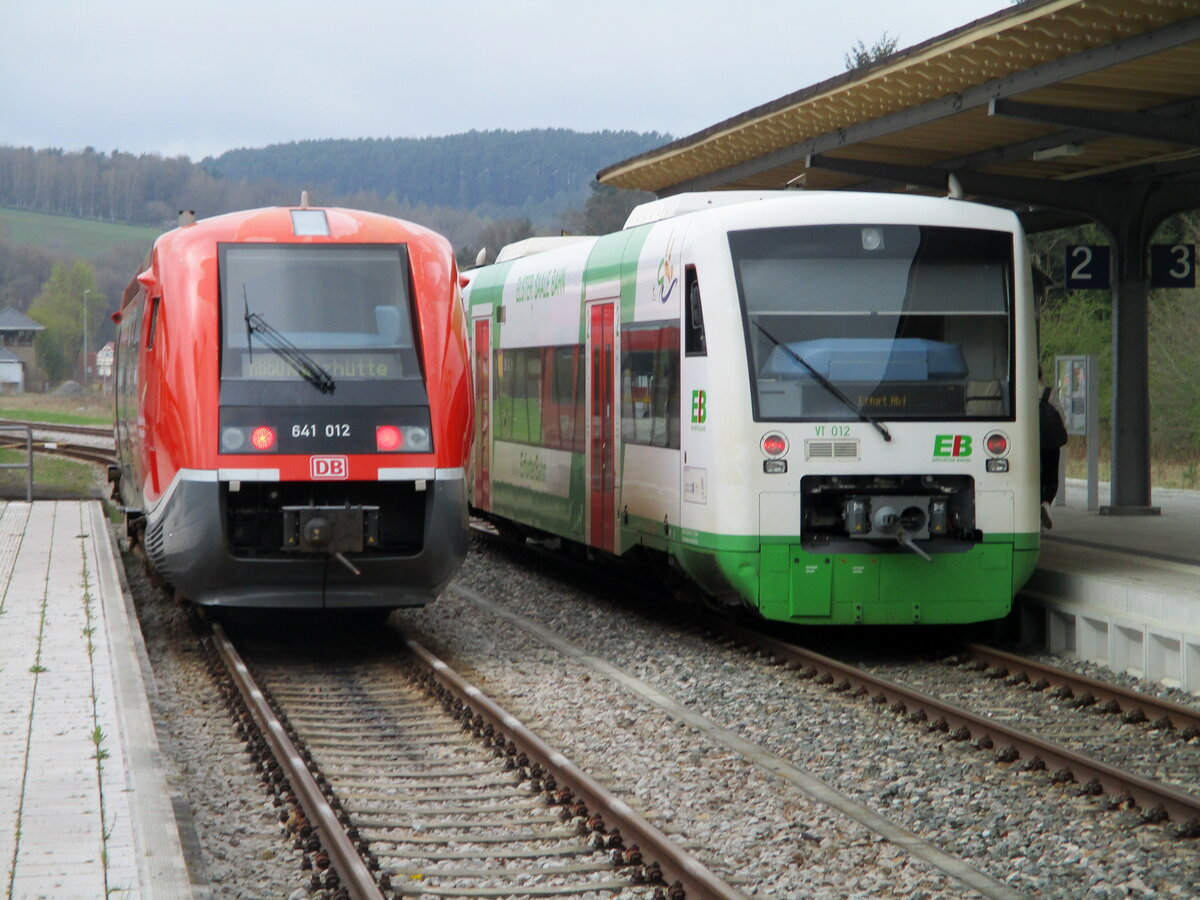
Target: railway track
[[405, 778], [1030, 715], [94, 431], [95, 446], [1141, 751], [990, 709], [81, 452], [1095, 745]]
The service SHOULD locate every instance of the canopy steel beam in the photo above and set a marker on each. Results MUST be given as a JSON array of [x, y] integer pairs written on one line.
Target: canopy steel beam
[[1091, 199], [1148, 125]]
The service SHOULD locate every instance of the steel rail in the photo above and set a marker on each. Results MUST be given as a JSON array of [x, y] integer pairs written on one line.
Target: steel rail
[[351, 868], [92, 430], [1179, 806], [676, 864], [81, 452], [1152, 708]]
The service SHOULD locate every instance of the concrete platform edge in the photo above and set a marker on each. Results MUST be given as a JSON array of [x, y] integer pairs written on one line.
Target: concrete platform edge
[[1146, 648], [163, 872]]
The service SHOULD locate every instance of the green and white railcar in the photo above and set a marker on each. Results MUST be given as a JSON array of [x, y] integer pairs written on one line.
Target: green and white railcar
[[820, 405]]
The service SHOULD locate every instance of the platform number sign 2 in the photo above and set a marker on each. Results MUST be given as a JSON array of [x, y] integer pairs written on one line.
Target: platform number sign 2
[[1172, 265], [1087, 267]]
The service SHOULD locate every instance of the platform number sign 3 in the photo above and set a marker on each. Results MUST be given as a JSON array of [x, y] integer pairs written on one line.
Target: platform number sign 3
[[1172, 265]]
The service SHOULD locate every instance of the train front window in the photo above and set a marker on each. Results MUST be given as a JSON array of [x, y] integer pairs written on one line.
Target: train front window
[[905, 321], [344, 308]]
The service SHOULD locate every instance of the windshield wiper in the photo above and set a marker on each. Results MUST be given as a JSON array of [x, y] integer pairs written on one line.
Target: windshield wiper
[[249, 327], [827, 384], [304, 365]]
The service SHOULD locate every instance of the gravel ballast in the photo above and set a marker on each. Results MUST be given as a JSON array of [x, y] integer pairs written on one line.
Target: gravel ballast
[[1043, 840], [753, 828]]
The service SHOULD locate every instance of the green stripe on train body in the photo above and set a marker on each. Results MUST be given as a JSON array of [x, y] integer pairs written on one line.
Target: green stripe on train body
[[785, 581]]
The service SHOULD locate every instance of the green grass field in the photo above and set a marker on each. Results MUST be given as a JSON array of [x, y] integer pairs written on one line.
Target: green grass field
[[80, 237], [54, 478], [86, 409]]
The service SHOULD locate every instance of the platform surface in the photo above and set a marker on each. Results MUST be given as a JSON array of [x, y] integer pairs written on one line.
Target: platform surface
[[85, 810], [1173, 535]]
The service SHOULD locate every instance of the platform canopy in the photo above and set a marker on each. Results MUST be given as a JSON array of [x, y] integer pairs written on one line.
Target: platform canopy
[[1114, 87], [1065, 110]]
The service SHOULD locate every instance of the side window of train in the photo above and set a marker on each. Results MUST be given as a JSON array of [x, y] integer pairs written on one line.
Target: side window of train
[[650, 384], [695, 343], [153, 322]]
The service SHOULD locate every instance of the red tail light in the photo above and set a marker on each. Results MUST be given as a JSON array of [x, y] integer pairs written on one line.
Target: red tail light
[[262, 437], [997, 444], [774, 445], [388, 438]]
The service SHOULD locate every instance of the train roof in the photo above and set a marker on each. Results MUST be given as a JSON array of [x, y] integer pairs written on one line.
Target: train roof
[[690, 203], [682, 204], [300, 223], [530, 246], [195, 239]]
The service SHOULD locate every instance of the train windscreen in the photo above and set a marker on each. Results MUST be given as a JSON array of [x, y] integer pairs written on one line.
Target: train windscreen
[[325, 313], [893, 321]]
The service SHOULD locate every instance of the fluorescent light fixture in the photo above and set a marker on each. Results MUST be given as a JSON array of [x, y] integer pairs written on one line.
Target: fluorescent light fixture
[[1059, 151]]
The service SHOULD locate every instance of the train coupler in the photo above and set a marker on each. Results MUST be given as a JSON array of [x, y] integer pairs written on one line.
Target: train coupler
[[335, 530]]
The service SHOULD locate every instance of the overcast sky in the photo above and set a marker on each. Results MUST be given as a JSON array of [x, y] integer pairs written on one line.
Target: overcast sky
[[200, 77]]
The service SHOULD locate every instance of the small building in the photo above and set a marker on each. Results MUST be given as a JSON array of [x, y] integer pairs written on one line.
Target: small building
[[12, 373], [17, 336]]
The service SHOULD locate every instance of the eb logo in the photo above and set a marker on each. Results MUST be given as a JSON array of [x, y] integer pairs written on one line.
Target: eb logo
[[699, 407], [328, 467], [955, 445]]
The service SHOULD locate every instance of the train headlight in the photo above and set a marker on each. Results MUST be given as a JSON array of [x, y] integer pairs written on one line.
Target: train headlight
[[233, 439], [402, 439], [388, 438], [997, 446], [774, 444], [262, 437], [996, 443], [416, 438]]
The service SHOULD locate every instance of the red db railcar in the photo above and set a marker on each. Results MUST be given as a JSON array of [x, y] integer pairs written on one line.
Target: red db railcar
[[293, 410]]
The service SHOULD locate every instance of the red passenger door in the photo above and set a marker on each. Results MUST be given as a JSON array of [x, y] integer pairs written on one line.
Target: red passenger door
[[483, 432], [602, 421]]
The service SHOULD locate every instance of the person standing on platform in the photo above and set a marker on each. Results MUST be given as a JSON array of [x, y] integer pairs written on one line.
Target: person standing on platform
[[1053, 437]]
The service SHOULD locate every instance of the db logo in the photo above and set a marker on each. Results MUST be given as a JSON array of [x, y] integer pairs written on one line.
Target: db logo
[[329, 467]]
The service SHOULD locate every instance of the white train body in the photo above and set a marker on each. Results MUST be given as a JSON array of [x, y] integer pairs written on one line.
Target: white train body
[[672, 390]]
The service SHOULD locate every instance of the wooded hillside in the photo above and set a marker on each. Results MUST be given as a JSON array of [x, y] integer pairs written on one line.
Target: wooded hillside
[[535, 175]]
